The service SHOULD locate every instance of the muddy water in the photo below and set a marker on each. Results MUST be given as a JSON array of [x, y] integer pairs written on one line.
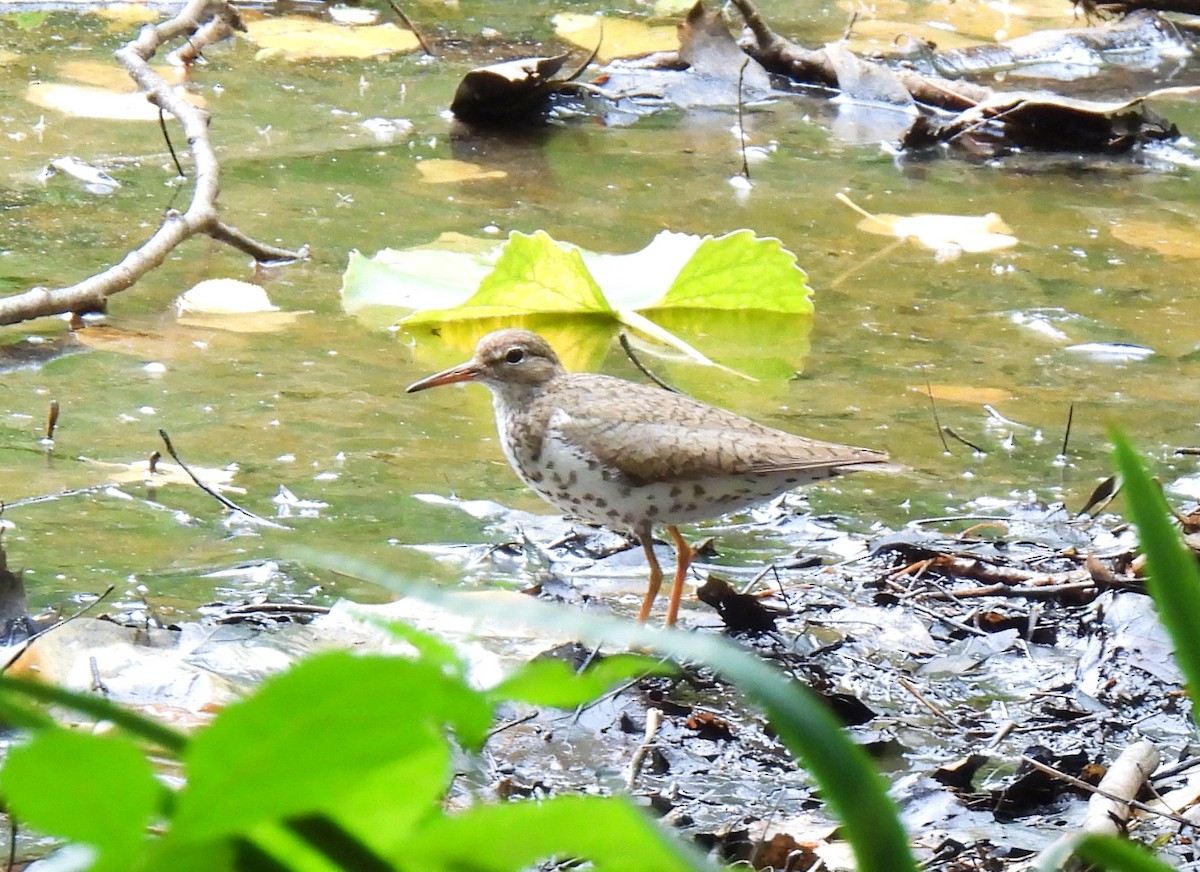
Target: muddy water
[[319, 407]]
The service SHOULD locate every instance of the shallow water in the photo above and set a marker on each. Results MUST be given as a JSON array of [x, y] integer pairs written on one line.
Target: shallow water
[[319, 407]]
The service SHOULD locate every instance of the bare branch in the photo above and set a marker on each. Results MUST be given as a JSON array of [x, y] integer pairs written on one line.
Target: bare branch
[[204, 21]]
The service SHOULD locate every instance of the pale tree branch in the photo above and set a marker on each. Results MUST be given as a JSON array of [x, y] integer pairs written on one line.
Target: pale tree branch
[[201, 22]]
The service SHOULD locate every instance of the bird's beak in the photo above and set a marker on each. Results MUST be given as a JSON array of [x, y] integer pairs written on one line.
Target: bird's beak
[[464, 372]]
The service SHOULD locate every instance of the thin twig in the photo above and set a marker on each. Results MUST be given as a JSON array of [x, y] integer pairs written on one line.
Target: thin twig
[[213, 492], [210, 20], [408, 23], [634, 360], [1067, 434], [52, 420], [741, 121], [964, 441], [508, 725], [937, 421], [923, 700], [1091, 788], [162, 125], [850, 26]]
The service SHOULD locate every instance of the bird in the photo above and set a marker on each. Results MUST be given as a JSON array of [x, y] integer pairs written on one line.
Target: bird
[[630, 456]]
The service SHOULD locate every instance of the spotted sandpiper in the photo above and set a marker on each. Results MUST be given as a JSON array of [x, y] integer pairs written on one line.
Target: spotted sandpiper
[[628, 455]]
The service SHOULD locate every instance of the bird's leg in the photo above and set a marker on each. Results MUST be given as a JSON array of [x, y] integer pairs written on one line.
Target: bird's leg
[[683, 559], [656, 574]]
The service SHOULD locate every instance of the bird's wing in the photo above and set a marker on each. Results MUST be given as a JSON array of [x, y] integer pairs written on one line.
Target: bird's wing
[[647, 435]]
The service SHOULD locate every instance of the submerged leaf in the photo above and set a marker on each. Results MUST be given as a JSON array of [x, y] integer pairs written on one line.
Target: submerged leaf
[[438, 171], [87, 101], [616, 37], [963, 393], [297, 38], [1179, 242]]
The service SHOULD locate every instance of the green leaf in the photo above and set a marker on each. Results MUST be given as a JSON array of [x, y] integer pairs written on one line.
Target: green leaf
[[311, 736], [1119, 855], [608, 831], [100, 791], [534, 275], [555, 683], [430, 648], [848, 778], [741, 271], [13, 689], [382, 816], [420, 278], [1173, 578]]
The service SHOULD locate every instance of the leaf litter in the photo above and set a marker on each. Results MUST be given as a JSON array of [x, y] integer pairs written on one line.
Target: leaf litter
[[955, 650]]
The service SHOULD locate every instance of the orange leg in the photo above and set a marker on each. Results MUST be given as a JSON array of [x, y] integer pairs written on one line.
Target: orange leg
[[683, 559], [656, 574]]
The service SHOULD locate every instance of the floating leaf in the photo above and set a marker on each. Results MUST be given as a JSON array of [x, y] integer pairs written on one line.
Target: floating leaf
[[949, 235], [295, 39], [535, 275], [224, 297], [617, 37], [232, 305], [437, 171], [740, 271], [1179, 242]]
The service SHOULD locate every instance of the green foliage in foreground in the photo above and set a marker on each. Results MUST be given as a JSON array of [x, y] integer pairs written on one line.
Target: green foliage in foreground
[[1174, 583], [343, 763], [340, 763]]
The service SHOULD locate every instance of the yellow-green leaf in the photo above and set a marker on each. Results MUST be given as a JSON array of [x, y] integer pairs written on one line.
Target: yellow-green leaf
[[534, 274]]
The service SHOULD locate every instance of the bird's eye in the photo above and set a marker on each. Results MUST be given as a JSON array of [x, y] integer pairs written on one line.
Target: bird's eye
[[515, 355]]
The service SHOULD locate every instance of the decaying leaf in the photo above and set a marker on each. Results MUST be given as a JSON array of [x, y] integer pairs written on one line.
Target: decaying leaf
[[224, 297], [94, 179], [1167, 240], [438, 171], [948, 235], [164, 474], [616, 37], [110, 75], [297, 38], [232, 305], [708, 48], [506, 91]]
